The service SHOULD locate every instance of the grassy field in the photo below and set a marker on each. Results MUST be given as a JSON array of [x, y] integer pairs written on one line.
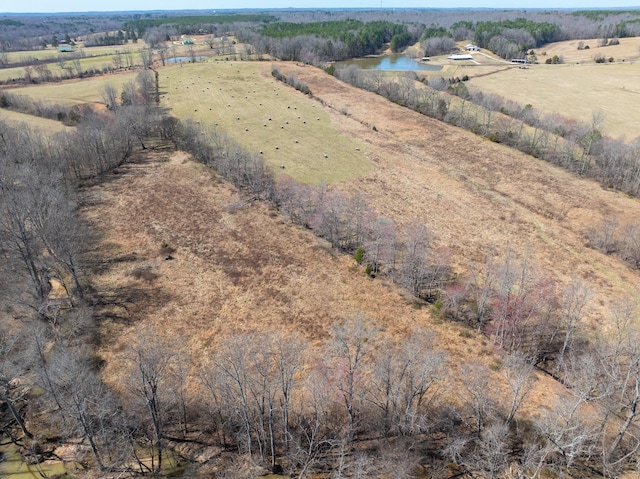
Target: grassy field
[[42, 125], [75, 92], [575, 89], [245, 268], [92, 58], [263, 114]]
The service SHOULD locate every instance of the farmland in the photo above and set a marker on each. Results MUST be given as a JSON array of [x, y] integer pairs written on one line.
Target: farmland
[[577, 88], [253, 278], [294, 133]]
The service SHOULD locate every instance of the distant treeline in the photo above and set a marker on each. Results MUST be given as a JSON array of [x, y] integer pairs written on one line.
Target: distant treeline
[[143, 24], [360, 38]]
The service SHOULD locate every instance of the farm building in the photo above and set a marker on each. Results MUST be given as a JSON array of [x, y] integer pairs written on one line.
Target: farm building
[[472, 48], [187, 41], [460, 56], [65, 48]]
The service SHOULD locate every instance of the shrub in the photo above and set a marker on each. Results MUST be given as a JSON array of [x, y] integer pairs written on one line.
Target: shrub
[[599, 58], [359, 255], [554, 60]]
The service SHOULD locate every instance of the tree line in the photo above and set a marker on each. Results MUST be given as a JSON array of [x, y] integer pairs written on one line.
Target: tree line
[[579, 147]]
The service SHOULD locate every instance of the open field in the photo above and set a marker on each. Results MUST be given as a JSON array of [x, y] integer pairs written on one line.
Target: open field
[[263, 114], [41, 125], [240, 267], [478, 196], [75, 92], [52, 54], [475, 195], [92, 58], [575, 91], [627, 51]]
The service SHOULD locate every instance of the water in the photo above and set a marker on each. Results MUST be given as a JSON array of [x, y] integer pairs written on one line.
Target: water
[[393, 62], [184, 59], [12, 466]]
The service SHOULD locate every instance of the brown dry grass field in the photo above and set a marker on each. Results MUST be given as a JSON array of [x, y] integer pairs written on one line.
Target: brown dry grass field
[[238, 267], [577, 88], [242, 267]]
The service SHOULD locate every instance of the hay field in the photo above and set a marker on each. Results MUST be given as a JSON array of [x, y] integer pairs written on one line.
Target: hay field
[[263, 114]]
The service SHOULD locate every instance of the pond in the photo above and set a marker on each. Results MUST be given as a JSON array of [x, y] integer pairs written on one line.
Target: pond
[[13, 466], [184, 59], [393, 62]]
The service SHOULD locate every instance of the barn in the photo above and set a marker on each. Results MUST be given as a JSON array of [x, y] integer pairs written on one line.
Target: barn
[[460, 56]]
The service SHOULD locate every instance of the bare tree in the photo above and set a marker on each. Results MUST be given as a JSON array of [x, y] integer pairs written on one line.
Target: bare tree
[[110, 96], [350, 345], [573, 304], [518, 371], [405, 381], [149, 364]]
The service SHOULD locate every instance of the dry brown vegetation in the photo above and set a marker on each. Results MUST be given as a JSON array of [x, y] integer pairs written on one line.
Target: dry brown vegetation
[[186, 257], [239, 266]]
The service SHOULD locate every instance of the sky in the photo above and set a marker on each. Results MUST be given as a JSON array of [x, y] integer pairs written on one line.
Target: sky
[[50, 6]]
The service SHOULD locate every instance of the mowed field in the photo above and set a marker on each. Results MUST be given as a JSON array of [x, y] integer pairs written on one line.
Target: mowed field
[[295, 134], [91, 58], [577, 88], [74, 92]]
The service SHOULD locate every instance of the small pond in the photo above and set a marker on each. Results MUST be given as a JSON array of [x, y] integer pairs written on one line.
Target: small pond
[[393, 62], [13, 466], [184, 59]]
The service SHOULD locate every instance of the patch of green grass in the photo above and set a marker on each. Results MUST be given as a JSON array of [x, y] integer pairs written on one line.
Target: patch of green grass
[[293, 131]]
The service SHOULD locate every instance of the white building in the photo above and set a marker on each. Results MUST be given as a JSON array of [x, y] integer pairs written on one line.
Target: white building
[[460, 56]]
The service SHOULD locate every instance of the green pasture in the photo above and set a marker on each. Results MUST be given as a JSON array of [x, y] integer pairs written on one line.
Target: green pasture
[[52, 54], [263, 114]]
